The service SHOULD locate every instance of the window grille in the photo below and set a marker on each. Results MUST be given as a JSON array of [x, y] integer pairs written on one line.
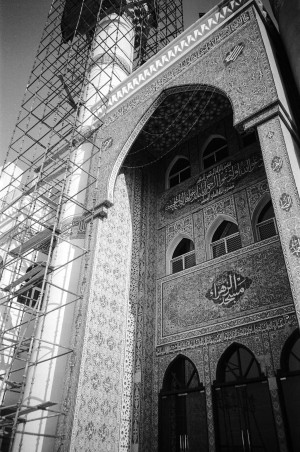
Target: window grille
[[267, 229], [180, 172], [216, 151], [180, 263], [226, 245]]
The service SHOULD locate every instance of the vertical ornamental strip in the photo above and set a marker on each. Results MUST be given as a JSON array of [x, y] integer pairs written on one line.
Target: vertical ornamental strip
[[285, 197]]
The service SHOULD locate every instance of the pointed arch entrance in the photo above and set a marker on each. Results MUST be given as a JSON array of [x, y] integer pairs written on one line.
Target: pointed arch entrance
[[242, 405], [182, 414], [289, 384]]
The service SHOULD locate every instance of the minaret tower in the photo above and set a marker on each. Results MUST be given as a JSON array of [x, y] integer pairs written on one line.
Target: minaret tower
[[287, 13], [88, 47]]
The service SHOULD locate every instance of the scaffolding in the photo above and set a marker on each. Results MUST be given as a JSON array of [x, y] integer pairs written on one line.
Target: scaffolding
[[87, 48]]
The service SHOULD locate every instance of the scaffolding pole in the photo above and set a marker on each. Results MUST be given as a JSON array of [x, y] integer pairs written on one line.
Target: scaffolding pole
[[47, 186]]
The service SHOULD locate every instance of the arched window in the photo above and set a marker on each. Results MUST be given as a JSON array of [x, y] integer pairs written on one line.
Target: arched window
[[289, 384], [181, 376], [215, 151], [180, 171], [290, 358], [182, 424], [237, 364], [242, 404], [225, 239], [266, 224], [183, 256]]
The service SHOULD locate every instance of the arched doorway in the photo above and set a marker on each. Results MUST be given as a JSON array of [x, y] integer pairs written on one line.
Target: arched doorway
[[289, 384], [182, 417], [242, 405]]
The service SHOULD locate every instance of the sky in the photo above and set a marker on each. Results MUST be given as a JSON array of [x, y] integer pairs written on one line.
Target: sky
[[21, 26]]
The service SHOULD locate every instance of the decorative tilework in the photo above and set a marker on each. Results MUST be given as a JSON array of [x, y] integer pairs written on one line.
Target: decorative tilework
[[185, 308], [243, 218], [118, 313], [288, 222], [199, 239], [225, 206], [276, 320], [248, 85], [161, 253], [184, 225], [277, 414], [255, 193], [99, 388], [209, 405], [194, 313], [187, 40]]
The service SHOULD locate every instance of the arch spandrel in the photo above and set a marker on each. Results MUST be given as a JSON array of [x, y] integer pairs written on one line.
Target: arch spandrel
[[247, 82]]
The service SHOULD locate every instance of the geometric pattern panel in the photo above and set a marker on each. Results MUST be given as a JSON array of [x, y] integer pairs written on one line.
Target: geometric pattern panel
[[101, 387]]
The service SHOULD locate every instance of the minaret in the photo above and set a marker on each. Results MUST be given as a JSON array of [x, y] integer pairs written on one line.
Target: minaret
[[287, 13], [110, 63]]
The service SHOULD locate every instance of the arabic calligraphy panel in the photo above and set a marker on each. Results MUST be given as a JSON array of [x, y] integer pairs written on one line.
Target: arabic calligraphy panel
[[228, 288], [260, 281]]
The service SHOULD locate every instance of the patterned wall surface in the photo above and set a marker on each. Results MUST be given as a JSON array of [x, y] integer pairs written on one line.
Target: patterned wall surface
[[244, 218], [247, 82], [211, 208], [185, 303], [123, 357], [284, 195], [105, 375], [199, 237]]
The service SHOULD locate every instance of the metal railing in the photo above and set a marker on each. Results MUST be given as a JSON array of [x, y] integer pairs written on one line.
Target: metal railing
[[184, 261], [266, 229], [226, 245]]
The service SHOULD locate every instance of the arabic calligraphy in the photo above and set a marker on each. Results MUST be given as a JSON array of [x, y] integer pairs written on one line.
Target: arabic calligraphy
[[234, 53], [286, 202], [276, 164], [106, 144], [215, 182], [295, 246], [228, 288]]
